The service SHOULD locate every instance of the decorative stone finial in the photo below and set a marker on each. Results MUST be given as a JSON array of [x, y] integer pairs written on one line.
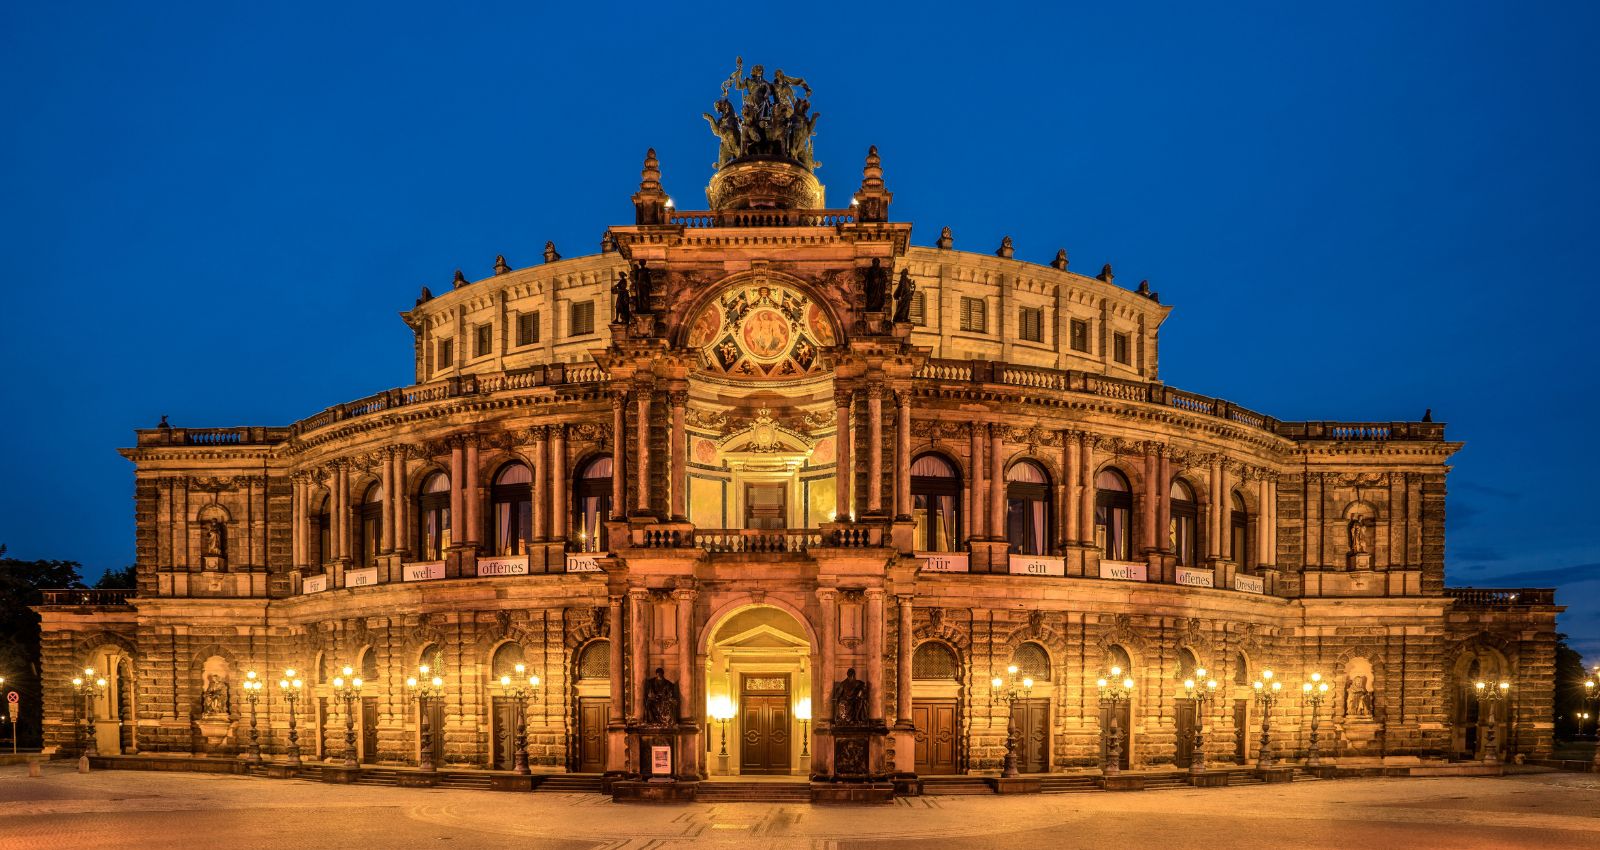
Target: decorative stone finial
[[1144, 289], [425, 297], [650, 175], [461, 279], [163, 422], [650, 202], [1105, 273], [1427, 416], [550, 254], [872, 171], [1005, 250], [872, 199], [946, 241], [607, 243], [500, 266], [1060, 262]]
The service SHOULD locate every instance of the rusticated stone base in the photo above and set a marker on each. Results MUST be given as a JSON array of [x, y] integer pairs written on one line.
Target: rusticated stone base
[[511, 782], [281, 771], [1016, 785], [1275, 774], [1122, 782], [340, 775], [634, 791], [852, 792], [1209, 779], [907, 786], [417, 780]]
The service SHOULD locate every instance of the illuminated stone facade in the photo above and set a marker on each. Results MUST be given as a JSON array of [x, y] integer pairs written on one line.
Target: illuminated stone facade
[[753, 482]]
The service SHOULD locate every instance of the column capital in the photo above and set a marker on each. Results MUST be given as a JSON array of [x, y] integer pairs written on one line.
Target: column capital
[[678, 398], [537, 432], [827, 594], [637, 593], [683, 594], [872, 593], [619, 398], [904, 599]]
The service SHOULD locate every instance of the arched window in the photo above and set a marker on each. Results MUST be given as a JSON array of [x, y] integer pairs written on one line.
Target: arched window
[[1032, 661], [1118, 658], [935, 660], [511, 508], [1113, 513], [591, 504], [1185, 524], [369, 526], [1187, 663], [433, 517], [432, 656], [322, 531], [935, 503], [594, 661], [1239, 531], [1028, 508], [1241, 669], [505, 661], [369, 666]]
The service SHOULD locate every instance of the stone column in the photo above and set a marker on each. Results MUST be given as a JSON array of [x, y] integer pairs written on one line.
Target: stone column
[[1163, 499], [614, 646], [642, 498], [678, 452], [1151, 497], [458, 477], [689, 752], [997, 484], [470, 494], [297, 510], [1264, 521], [875, 449], [979, 493], [638, 648], [1214, 514], [902, 478], [1074, 491], [1225, 505], [842, 504], [822, 692], [902, 691], [387, 476], [341, 509], [1086, 462], [875, 629], [619, 454], [1272, 521], [541, 484], [558, 484]]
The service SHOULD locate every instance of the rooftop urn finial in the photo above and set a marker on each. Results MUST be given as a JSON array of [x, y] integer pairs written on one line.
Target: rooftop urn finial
[[1060, 262], [1144, 289], [764, 128], [1105, 273], [872, 199], [946, 241], [461, 279], [1427, 416], [500, 265], [608, 243], [424, 297], [550, 254], [163, 422], [650, 203], [1005, 251], [650, 175]]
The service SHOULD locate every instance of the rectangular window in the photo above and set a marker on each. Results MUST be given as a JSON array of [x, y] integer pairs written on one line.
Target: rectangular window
[[1080, 335], [1031, 324], [528, 328], [580, 318], [447, 354], [919, 309], [974, 315], [485, 340], [1119, 348]]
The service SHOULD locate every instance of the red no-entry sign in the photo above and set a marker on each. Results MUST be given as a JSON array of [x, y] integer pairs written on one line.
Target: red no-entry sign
[[13, 697]]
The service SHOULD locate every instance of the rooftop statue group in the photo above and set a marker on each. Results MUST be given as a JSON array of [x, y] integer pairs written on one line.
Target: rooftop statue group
[[771, 121]]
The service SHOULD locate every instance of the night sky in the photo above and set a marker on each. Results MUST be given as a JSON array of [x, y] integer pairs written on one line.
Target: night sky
[[1359, 211]]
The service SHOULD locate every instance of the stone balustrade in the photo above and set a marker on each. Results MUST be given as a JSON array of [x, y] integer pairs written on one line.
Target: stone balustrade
[[87, 597], [1500, 597], [761, 218]]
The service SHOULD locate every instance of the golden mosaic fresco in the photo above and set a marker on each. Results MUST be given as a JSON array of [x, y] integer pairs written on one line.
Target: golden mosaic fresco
[[762, 331]]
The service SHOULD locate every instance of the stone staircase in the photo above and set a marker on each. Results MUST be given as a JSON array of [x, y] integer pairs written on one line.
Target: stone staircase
[[1068, 784], [1167, 781], [461, 779], [569, 783], [753, 792], [377, 776], [956, 785]]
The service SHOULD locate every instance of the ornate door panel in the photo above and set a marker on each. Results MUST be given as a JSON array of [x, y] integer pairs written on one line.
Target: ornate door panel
[[1123, 716], [1241, 730], [936, 721], [436, 729], [1185, 731], [593, 714], [505, 744], [1031, 717], [764, 724], [369, 729]]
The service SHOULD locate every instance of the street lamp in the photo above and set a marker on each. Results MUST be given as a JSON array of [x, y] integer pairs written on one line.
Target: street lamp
[[347, 687], [802, 710], [89, 686], [1492, 694], [1267, 690], [1315, 691], [1115, 690], [520, 688], [424, 688], [1008, 691], [252, 694], [721, 710], [1201, 694], [290, 686]]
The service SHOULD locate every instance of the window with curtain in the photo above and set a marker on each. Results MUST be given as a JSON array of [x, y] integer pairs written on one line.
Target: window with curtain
[[591, 504], [369, 526], [433, 517], [511, 509], [1185, 524], [1113, 516], [1239, 531], [322, 532], [935, 503], [1028, 508]]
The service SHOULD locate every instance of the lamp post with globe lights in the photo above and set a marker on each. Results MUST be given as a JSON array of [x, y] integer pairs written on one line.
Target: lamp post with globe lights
[[1490, 695], [252, 694], [1115, 691], [1008, 691], [291, 686], [425, 687], [347, 688], [1200, 690], [1590, 686], [721, 711], [1267, 691], [802, 712], [1315, 691], [89, 686], [520, 688]]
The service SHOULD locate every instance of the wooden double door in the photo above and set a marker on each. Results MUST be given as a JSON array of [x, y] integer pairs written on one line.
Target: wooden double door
[[1031, 719], [764, 719], [1185, 731], [1124, 715], [937, 722], [593, 715]]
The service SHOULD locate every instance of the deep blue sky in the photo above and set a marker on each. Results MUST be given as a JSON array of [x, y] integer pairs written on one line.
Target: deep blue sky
[[1359, 210]]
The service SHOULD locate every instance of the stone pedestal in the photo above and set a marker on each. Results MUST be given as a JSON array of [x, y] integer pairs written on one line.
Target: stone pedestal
[[1122, 782], [1358, 561], [417, 780], [280, 771], [1016, 785], [1272, 775], [1209, 779], [637, 791], [858, 752], [852, 792], [340, 775], [213, 733], [647, 743], [510, 782]]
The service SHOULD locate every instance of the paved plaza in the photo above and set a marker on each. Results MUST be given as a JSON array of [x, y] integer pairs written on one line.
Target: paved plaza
[[125, 809]]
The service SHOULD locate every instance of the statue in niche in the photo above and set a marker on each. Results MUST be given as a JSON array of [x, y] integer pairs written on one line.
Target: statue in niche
[[1356, 530], [214, 700], [904, 291], [661, 700], [214, 540], [1358, 698], [641, 289], [875, 283], [621, 309], [850, 700]]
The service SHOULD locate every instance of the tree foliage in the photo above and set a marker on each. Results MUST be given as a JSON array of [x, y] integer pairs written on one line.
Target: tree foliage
[[20, 583]]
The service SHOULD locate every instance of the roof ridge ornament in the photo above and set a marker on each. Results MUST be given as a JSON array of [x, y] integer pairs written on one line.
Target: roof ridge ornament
[[872, 199], [650, 203]]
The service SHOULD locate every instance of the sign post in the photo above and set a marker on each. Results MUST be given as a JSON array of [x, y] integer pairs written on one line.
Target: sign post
[[13, 711]]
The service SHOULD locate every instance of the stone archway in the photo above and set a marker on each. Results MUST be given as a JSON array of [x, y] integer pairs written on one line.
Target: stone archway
[[759, 686]]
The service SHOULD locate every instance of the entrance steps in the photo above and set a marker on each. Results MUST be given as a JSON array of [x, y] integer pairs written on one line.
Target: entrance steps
[[1068, 784], [957, 785], [753, 792], [570, 783]]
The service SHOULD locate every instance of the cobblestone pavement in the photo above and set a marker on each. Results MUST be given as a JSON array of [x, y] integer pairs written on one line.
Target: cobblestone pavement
[[125, 809]]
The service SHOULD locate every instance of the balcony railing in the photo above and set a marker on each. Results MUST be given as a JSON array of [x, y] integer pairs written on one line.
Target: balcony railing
[[761, 218], [88, 596], [1501, 597]]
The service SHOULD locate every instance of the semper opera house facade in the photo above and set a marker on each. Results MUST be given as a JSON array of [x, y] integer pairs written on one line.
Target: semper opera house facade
[[831, 485]]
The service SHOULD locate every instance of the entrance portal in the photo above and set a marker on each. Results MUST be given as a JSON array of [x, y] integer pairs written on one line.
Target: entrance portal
[[758, 661]]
